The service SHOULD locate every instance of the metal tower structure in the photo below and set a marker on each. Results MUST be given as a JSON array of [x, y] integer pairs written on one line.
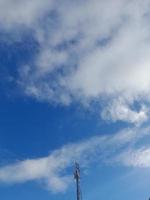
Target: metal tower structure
[[77, 178]]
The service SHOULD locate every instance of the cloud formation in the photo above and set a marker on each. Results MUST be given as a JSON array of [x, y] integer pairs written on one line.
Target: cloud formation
[[136, 158], [89, 51], [15, 12], [105, 150]]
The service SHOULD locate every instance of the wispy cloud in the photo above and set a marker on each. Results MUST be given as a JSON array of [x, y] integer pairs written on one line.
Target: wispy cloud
[[17, 13], [135, 157], [52, 170], [119, 110], [87, 52]]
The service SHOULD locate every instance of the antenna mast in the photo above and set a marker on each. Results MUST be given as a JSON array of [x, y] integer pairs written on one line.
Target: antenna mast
[[77, 178]]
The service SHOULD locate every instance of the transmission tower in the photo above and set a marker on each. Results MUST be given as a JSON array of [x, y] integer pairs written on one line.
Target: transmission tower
[[77, 178]]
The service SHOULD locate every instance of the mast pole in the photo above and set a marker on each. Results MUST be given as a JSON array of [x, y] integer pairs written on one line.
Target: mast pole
[[77, 178]]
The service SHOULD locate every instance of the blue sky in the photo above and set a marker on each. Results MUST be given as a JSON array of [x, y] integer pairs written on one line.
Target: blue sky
[[74, 86]]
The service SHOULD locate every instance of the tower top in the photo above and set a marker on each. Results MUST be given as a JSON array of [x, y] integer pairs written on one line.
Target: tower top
[[77, 171], [77, 178]]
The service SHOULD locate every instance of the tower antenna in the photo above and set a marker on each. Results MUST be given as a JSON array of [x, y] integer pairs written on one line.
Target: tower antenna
[[77, 178]]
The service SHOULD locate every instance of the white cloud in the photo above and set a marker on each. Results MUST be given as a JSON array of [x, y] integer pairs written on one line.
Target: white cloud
[[16, 12], [119, 110], [135, 157], [52, 170], [89, 51]]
